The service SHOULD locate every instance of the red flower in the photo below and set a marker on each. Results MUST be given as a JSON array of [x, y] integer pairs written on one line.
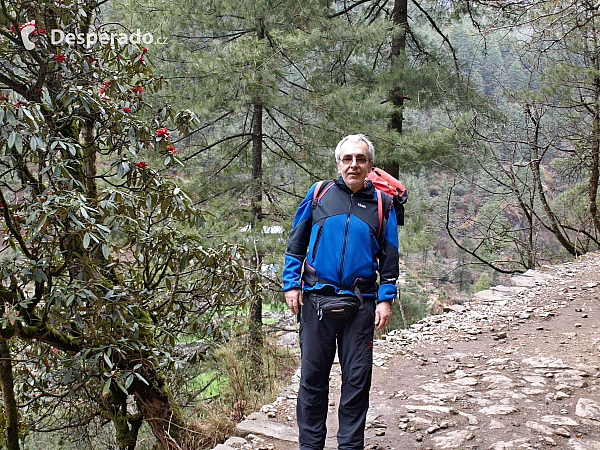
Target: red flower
[[1, 205], [137, 88], [170, 148], [162, 132], [142, 164], [142, 58], [54, 349], [137, 53], [127, 109], [94, 59], [42, 30], [60, 58], [12, 28], [106, 83], [144, 49]]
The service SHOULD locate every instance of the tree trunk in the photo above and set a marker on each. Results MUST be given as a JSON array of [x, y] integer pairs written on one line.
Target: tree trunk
[[11, 416], [593, 181], [555, 225], [255, 322], [400, 20], [160, 411]]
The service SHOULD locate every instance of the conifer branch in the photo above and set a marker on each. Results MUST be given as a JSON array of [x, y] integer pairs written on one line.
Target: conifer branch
[[348, 9], [437, 29]]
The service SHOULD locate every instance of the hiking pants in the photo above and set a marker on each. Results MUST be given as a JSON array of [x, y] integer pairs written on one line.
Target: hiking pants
[[318, 339]]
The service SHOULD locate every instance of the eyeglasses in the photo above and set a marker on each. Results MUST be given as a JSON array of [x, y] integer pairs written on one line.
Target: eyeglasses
[[360, 160]]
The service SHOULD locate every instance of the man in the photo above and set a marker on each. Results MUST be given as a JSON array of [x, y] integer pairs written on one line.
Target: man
[[348, 241]]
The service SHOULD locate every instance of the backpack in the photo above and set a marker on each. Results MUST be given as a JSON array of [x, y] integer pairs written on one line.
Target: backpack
[[323, 186], [383, 181]]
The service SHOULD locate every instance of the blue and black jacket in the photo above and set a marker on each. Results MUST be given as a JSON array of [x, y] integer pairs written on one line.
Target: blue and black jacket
[[340, 234]]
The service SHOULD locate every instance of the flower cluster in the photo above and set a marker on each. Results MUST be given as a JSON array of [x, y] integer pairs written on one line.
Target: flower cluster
[[140, 89], [162, 132], [171, 149], [103, 90], [141, 57], [60, 57], [142, 164], [36, 30], [127, 109]]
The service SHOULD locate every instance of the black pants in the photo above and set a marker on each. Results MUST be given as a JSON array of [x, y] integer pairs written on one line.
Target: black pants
[[318, 338]]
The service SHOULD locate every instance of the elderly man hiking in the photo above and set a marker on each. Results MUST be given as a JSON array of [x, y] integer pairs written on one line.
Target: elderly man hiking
[[344, 234]]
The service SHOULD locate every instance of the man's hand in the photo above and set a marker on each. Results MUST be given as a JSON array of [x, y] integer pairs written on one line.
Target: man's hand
[[293, 297], [383, 314]]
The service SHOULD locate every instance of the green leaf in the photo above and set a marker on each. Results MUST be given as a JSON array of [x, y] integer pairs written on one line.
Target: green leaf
[[122, 388], [105, 251], [107, 360], [183, 262], [11, 138], [67, 376], [10, 117], [86, 240], [141, 378], [106, 387], [131, 135], [19, 143]]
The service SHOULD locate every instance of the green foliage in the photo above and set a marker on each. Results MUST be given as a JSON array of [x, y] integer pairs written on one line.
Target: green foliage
[[108, 265], [482, 283]]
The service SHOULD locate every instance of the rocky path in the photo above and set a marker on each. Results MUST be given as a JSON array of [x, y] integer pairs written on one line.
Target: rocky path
[[515, 368]]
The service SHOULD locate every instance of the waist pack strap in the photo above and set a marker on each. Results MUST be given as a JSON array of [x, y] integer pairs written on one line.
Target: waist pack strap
[[366, 285]]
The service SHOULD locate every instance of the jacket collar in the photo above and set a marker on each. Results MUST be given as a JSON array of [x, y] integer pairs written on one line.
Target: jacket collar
[[369, 189]]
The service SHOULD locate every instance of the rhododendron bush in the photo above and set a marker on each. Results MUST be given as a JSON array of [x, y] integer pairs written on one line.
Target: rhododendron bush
[[102, 267]]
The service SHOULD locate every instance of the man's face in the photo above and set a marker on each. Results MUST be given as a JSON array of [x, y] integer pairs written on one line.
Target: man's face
[[354, 164]]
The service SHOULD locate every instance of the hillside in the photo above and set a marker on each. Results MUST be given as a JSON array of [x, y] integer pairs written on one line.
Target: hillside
[[515, 367]]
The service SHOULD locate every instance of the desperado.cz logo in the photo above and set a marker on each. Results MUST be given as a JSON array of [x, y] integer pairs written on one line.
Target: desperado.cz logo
[[59, 37], [26, 31]]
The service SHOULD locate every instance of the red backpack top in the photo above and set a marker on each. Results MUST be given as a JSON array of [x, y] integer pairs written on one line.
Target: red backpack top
[[390, 185]]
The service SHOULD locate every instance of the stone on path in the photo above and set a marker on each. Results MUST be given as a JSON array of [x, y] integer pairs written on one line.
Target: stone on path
[[517, 443], [559, 420], [500, 410], [522, 281], [489, 295], [256, 424], [455, 308], [583, 444], [542, 362], [453, 439], [588, 409], [540, 428]]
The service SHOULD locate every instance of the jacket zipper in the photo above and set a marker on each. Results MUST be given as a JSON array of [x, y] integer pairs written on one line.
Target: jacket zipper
[[345, 238], [317, 240]]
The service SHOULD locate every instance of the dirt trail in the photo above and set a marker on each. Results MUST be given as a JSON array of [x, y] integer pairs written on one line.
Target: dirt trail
[[515, 368]]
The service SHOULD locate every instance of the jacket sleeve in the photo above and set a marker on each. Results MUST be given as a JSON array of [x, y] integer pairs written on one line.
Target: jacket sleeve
[[298, 243], [388, 260]]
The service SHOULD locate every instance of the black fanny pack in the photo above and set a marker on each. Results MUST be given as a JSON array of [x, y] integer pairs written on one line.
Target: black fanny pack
[[335, 306]]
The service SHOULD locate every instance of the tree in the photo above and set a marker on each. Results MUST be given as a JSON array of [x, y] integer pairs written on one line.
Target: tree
[[102, 267], [540, 146]]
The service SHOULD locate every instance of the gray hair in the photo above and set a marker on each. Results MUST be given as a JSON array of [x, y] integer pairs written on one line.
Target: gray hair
[[356, 138]]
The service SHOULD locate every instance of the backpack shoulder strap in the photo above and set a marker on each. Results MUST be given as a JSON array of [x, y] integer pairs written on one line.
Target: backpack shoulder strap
[[320, 190], [384, 206]]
